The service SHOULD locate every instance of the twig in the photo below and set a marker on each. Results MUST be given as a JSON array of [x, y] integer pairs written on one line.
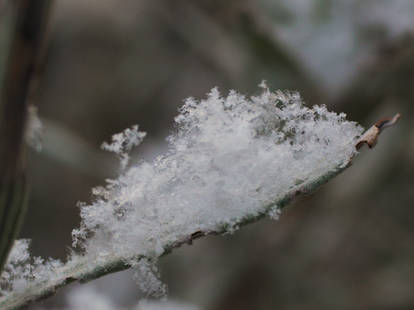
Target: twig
[[21, 68], [82, 269], [370, 137]]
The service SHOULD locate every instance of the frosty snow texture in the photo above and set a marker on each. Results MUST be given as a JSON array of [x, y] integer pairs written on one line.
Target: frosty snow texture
[[228, 159]]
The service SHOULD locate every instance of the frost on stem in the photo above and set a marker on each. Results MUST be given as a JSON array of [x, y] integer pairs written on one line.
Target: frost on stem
[[21, 268], [229, 160], [229, 157]]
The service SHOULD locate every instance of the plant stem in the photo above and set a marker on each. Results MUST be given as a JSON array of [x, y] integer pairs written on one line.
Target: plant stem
[[22, 65], [83, 269]]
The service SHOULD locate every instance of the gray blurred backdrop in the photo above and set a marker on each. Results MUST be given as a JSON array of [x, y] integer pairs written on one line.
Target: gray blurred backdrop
[[111, 64]]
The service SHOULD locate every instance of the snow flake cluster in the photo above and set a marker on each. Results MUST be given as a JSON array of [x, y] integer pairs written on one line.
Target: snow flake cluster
[[230, 158], [21, 268]]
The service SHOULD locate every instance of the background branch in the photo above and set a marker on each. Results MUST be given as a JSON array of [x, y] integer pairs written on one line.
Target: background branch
[[22, 67]]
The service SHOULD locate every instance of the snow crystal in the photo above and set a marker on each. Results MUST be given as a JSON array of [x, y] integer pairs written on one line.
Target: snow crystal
[[21, 268], [147, 275], [230, 158], [123, 142]]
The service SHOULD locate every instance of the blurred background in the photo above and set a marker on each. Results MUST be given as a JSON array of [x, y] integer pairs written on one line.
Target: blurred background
[[111, 64]]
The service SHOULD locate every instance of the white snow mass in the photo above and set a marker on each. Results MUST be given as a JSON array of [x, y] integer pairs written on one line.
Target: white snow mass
[[230, 158]]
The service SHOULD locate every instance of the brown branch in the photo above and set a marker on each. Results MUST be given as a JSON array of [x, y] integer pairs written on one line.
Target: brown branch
[[29, 26]]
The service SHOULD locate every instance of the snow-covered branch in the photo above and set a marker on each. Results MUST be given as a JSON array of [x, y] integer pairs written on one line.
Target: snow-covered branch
[[231, 161]]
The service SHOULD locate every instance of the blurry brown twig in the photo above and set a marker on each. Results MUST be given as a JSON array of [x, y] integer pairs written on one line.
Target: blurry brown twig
[[23, 62]]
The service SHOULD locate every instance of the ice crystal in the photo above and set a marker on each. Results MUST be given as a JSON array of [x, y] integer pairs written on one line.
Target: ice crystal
[[123, 142], [147, 275], [21, 268], [230, 159]]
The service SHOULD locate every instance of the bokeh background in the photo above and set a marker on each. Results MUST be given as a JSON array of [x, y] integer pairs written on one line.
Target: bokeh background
[[111, 64]]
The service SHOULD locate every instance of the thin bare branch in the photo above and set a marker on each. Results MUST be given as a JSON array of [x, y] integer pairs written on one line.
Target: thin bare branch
[[27, 37]]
